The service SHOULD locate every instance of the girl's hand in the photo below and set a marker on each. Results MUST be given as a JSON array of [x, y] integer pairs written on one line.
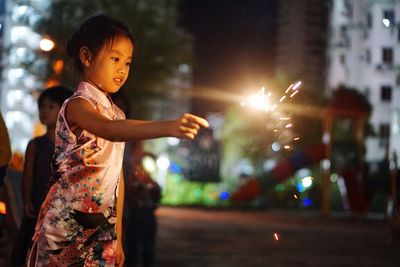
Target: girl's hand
[[29, 210], [188, 126]]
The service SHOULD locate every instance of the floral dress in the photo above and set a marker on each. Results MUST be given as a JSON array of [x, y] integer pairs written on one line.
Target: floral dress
[[76, 224]]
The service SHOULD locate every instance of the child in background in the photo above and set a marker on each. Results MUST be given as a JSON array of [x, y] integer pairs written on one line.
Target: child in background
[[80, 220], [37, 170], [143, 196]]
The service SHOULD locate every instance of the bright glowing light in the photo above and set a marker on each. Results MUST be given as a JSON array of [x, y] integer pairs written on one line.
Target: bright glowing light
[[16, 73], [46, 44], [21, 51], [326, 164], [276, 237], [14, 98], [260, 100], [269, 164], [174, 167], [149, 164], [276, 146], [326, 138], [24, 34], [263, 100], [307, 181], [22, 10], [172, 141], [224, 195], [288, 125], [334, 178], [295, 196], [296, 85], [184, 68], [3, 209], [307, 202], [14, 118], [163, 162], [386, 22]]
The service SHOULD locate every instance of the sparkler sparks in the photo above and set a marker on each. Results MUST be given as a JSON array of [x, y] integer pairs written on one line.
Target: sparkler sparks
[[263, 101], [276, 237]]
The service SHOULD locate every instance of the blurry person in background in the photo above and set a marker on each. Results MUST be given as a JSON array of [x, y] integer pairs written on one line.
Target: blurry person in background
[[37, 169], [143, 196]]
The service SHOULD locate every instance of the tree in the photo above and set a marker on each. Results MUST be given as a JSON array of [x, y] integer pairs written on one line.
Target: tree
[[161, 46]]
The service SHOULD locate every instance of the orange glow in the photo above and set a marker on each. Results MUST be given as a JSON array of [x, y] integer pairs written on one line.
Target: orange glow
[[17, 162], [58, 66], [3, 209]]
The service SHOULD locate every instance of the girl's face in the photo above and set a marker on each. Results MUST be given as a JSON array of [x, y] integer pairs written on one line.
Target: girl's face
[[110, 68], [48, 112]]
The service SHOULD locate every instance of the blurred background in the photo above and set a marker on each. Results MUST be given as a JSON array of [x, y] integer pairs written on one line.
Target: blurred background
[[339, 154]]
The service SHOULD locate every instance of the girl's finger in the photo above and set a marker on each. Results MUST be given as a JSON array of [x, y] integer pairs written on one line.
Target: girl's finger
[[198, 120], [192, 125], [187, 130]]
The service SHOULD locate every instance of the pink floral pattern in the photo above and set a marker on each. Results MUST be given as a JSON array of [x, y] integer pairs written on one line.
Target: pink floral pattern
[[76, 224]]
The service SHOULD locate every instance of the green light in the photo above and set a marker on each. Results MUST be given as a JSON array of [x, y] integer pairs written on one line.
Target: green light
[[280, 187]]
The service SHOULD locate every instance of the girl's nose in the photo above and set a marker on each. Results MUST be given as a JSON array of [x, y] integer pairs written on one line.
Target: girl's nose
[[122, 70]]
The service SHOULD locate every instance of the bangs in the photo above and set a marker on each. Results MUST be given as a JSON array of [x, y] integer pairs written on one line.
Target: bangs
[[109, 44]]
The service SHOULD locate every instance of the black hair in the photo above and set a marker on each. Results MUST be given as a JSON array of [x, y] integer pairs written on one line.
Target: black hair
[[94, 33], [57, 94]]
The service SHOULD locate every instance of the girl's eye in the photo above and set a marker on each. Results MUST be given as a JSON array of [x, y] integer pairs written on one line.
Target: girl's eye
[[115, 59], [128, 64]]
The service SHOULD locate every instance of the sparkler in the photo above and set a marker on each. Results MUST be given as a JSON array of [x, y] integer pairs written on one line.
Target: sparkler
[[263, 101]]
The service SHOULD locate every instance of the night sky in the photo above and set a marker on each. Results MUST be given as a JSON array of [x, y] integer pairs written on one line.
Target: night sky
[[234, 44]]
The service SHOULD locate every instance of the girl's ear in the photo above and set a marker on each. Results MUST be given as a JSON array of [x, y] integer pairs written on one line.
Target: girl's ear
[[85, 56]]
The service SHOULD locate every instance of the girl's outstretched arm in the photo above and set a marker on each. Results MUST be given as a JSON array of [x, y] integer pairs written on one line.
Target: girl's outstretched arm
[[81, 113]]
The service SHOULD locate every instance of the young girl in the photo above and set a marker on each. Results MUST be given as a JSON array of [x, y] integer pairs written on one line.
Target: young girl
[[80, 220]]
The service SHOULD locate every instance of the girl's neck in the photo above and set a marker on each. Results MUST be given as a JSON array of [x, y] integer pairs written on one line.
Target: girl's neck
[[95, 85]]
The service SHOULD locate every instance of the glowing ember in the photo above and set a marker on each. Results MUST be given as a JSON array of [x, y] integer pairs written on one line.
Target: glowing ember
[[3, 209], [276, 236]]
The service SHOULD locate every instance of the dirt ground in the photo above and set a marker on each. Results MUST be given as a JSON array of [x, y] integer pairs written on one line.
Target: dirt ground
[[210, 238]]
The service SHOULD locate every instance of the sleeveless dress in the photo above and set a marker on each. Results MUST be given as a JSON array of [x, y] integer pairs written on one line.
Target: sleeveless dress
[[76, 224]]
